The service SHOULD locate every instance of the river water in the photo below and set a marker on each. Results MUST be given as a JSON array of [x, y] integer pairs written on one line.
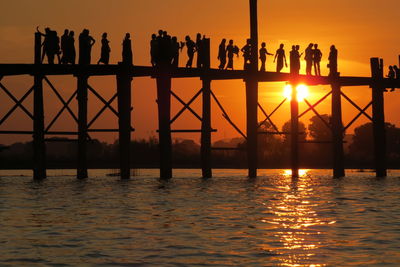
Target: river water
[[229, 220]]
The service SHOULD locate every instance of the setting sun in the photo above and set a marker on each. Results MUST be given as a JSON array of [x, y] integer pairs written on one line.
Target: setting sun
[[302, 92]]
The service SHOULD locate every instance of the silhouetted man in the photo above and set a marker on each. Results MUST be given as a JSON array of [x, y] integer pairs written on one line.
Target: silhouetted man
[[105, 50], [297, 60], [191, 48], [51, 45], [333, 64], [199, 50], [246, 50], [222, 54], [175, 51], [317, 55], [280, 57], [309, 58], [127, 56], [263, 56], [64, 47]]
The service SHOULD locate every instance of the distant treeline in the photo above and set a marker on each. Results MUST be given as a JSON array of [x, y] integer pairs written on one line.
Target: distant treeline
[[274, 150]]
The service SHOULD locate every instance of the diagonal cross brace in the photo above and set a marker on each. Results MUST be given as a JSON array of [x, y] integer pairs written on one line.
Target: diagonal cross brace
[[356, 106], [66, 106], [225, 115], [5, 117], [268, 117], [106, 103], [318, 115], [18, 103], [356, 117], [186, 106], [316, 104]]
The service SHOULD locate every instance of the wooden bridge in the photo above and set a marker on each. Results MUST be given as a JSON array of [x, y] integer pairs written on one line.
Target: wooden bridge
[[163, 75]]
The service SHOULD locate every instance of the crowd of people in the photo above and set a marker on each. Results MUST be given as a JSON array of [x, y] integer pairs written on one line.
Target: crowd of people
[[165, 50], [65, 51]]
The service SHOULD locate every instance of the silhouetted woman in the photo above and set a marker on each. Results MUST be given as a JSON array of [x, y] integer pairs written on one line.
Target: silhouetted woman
[[85, 47], [105, 50], [263, 56], [280, 57], [333, 65], [191, 48], [231, 50], [309, 58], [317, 60], [222, 54], [153, 49], [127, 56], [71, 52]]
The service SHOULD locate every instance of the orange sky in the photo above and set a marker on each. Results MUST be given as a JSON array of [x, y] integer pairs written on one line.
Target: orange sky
[[360, 29]]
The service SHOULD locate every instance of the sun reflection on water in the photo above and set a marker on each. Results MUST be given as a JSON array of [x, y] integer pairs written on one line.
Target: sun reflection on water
[[294, 221]]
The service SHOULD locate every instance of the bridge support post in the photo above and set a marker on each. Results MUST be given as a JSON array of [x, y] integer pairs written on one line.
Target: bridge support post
[[206, 116], [82, 97], [124, 120], [164, 125], [294, 132], [39, 147], [252, 93], [337, 131], [378, 117]]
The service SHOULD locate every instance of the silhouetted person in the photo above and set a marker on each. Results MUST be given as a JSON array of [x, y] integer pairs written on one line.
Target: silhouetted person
[[222, 54], [231, 50], [317, 55], [64, 47], [391, 75], [85, 47], [153, 49], [246, 50], [292, 58], [280, 57], [127, 56], [397, 72], [297, 56], [175, 51], [105, 50], [71, 52], [309, 58], [263, 56], [199, 50], [191, 48], [333, 64], [51, 45]]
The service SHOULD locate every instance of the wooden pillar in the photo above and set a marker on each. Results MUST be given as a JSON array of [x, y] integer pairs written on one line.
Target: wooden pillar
[[337, 131], [82, 97], [124, 120], [206, 116], [294, 132], [39, 147], [378, 117], [164, 126], [252, 94]]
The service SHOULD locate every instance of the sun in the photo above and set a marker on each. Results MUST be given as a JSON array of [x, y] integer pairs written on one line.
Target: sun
[[302, 92]]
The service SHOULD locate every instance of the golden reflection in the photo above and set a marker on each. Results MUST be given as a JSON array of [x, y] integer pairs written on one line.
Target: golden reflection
[[292, 217]]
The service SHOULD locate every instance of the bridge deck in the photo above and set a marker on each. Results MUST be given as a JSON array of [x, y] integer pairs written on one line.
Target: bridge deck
[[211, 74]]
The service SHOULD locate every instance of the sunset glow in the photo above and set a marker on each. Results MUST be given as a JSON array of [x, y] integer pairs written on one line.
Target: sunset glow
[[302, 92]]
